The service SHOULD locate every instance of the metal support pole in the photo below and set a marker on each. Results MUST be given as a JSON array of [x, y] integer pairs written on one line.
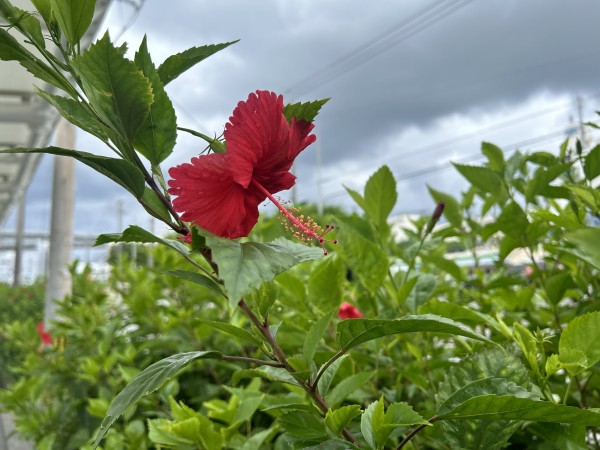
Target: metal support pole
[[19, 232], [58, 283]]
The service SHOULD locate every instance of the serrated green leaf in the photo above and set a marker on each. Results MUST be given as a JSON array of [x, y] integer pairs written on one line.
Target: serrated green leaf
[[528, 345], [25, 21], [346, 387], [197, 278], [245, 266], [146, 382], [303, 111], [482, 178], [380, 196], [353, 332], [303, 424], [314, 335], [156, 137], [581, 336], [494, 155], [452, 211], [232, 330], [591, 166], [137, 234], [178, 63], [117, 90], [366, 424], [337, 419], [118, 170], [586, 245], [74, 17]]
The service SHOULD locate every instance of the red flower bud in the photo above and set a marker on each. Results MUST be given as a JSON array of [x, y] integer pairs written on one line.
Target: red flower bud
[[437, 214], [348, 311], [44, 335]]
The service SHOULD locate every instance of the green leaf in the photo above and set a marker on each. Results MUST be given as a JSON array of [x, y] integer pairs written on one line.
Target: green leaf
[[337, 419], [137, 234], [303, 425], [11, 50], [581, 336], [456, 312], [25, 21], [445, 265], [556, 285], [360, 201], [155, 206], [346, 387], [176, 64], [118, 170], [591, 166], [397, 415], [196, 277], [494, 155], [353, 332], [157, 134], [325, 282], [380, 196], [528, 345], [75, 113], [314, 335], [421, 292], [245, 266], [267, 372], [366, 423], [367, 260], [588, 195], [405, 290], [74, 17], [303, 111], [586, 245], [232, 330], [512, 221], [482, 178], [44, 7], [117, 90], [329, 374], [146, 382], [452, 210], [542, 178]]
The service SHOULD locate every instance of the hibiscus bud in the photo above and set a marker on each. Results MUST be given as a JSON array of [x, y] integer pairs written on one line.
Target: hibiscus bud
[[348, 311], [437, 213]]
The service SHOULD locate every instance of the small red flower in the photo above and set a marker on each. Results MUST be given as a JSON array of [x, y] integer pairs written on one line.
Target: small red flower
[[348, 311], [221, 192], [44, 335]]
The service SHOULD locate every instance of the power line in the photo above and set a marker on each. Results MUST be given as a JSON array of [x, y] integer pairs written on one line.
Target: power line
[[380, 44]]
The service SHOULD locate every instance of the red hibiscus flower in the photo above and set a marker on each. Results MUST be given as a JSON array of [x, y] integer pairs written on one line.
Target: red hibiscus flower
[[220, 192], [348, 311], [44, 335]]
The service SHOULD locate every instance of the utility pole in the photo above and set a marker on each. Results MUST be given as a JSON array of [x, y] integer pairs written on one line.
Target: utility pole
[[58, 278], [19, 232]]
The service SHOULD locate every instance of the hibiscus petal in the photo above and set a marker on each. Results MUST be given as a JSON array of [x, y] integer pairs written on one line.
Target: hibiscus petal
[[208, 196]]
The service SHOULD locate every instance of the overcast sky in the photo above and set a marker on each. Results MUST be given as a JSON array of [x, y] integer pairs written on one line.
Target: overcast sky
[[414, 84]]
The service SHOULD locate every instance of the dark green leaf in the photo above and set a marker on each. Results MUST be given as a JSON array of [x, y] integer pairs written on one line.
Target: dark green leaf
[[74, 17], [118, 170], [591, 166], [176, 64], [353, 332], [157, 134], [119, 93], [146, 382], [303, 425], [303, 111], [197, 278], [245, 266], [483, 178]]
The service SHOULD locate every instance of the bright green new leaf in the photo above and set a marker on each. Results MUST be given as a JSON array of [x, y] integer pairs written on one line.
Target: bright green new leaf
[[581, 337], [337, 419], [528, 345], [380, 196], [245, 266], [483, 178], [353, 332], [591, 167], [196, 277], [586, 245], [137, 234], [156, 137], [118, 170], [452, 211], [494, 155], [176, 64], [346, 387], [314, 335], [117, 90], [146, 382], [366, 423], [303, 111], [74, 17]]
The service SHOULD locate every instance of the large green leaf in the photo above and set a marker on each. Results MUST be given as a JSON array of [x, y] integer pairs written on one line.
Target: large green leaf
[[135, 233], [586, 245], [117, 90], [156, 137], [353, 332], [245, 266], [146, 382], [303, 111], [74, 17], [118, 170], [591, 166], [176, 64], [483, 178], [578, 346], [380, 196]]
